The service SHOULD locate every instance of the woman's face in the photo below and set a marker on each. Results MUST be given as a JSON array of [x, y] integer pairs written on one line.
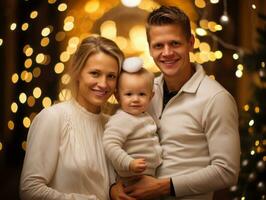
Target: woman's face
[[97, 81]]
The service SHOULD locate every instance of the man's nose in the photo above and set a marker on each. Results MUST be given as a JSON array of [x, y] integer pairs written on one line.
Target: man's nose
[[167, 51]]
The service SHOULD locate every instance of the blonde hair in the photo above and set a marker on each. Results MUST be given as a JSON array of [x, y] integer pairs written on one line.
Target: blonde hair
[[90, 46]]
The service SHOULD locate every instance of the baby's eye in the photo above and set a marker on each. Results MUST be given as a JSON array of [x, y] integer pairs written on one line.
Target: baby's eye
[[128, 94], [142, 94]]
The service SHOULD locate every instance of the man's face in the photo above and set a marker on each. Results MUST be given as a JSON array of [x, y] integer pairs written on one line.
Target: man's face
[[170, 49]]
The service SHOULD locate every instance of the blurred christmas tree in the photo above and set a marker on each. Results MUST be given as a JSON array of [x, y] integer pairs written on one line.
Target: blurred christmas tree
[[252, 178]]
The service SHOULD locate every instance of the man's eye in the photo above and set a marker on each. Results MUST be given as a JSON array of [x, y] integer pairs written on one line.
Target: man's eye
[[175, 43], [157, 46]]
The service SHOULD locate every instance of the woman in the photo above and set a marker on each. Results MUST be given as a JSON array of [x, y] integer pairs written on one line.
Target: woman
[[65, 157]]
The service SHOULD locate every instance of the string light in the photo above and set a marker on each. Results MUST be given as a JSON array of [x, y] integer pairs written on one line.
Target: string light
[[224, 18], [130, 3]]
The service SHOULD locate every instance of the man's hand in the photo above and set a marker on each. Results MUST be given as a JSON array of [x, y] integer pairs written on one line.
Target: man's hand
[[148, 188], [117, 192], [137, 165]]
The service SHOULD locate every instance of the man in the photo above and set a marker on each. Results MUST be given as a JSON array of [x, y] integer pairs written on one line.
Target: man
[[197, 117]]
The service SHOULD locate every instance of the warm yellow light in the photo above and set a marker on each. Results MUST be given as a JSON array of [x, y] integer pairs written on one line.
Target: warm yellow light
[[10, 125], [108, 29], [130, 3], [246, 107], [252, 152], [24, 26], [201, 32], [254, 6], [51, 1], [212, 77], [33, 14], [192, 57], [204, 23], [137, 35], [1, 146], [44, 41], [45, 31], [74, 41], [14, 107], [29, 77], [37, 92], [204, 47], [251, 122], [24, 75], [15, 78], [68, 26], [257, 109], [31, 101], [212, 26], [218, 54], [240, 67], [40, 58], [64, 56], [28, 63], [218, 27], [211, 56], [64, 95], [13, 26], [121, 42], [214, 1], [200, 3], [29, 51], [196, 43], [62, 7], [36, 72], [22, 97], [1, 41], [235, 56], [204, 56], [46, 102], [92, 6], [65, 79], [59, 68], [24, 145], [257, 142], [239, 73], [26, 122], [60, 36]]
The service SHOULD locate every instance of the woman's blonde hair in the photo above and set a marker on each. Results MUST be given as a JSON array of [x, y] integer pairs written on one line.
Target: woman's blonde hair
[[90, 46]]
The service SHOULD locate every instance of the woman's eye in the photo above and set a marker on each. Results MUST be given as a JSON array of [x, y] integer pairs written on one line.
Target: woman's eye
[[142, 94], [112, 76], [94, 74]]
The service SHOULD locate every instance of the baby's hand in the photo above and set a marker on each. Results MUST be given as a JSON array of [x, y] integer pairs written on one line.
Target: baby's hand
[[137, 165]]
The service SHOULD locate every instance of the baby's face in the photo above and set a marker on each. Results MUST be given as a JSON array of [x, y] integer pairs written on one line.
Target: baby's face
[[135, 93]]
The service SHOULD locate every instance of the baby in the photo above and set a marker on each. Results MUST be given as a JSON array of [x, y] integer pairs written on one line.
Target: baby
[[130, 139]]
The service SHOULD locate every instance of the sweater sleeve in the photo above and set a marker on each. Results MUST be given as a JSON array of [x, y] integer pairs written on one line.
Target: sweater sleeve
[[220, 121], [117, 130], [41, 159]]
